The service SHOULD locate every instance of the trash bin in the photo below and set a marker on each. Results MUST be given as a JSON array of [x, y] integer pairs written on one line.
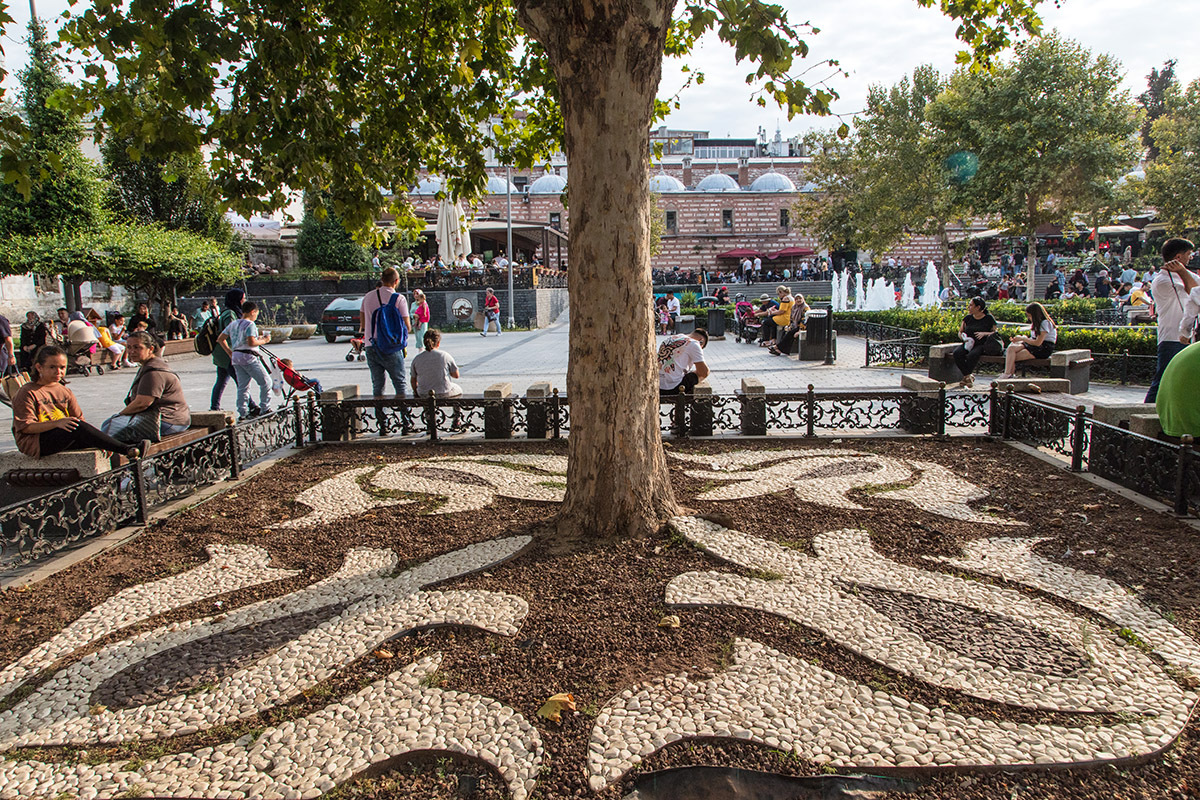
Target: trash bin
[[716, 322], [816, 325]]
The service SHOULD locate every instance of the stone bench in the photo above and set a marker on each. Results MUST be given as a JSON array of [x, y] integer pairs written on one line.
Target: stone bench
[[1074, 366], [63, 469], [1119, 415]]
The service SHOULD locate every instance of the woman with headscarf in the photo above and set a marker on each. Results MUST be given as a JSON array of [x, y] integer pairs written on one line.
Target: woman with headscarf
[[232, 310], [35, 335]]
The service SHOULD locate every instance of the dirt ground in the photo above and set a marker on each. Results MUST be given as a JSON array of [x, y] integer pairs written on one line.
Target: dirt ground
[[592, 628]]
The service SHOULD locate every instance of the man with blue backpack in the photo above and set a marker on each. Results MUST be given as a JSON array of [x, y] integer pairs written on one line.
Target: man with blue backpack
[[386, 326]]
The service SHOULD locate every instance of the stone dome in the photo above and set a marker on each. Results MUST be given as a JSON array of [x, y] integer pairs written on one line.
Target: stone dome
[[717, 182], [498, 185], [548, 184], [430, 184], [772, 182], [662, 182]]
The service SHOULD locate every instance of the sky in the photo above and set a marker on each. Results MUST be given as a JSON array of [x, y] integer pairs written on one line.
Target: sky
[[875, 41]]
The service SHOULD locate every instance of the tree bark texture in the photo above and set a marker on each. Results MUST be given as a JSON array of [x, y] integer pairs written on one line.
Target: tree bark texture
[[607, 59]]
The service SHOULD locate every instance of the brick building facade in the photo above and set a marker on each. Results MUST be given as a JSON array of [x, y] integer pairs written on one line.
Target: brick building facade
[[706, 215]]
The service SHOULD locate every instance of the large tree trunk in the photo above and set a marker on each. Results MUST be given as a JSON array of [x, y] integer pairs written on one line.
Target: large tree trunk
[[607, 58]]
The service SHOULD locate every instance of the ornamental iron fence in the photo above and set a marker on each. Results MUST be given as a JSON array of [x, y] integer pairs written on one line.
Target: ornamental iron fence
[[37, 528]]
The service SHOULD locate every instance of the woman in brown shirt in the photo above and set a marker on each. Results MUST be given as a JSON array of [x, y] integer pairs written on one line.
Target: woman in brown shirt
[[47, 418]]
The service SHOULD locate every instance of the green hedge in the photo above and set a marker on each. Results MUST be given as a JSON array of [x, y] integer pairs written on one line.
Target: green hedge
[[1065, 312]]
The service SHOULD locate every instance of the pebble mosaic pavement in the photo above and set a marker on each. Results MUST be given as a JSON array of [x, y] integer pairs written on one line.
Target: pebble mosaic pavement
[[965, 635]]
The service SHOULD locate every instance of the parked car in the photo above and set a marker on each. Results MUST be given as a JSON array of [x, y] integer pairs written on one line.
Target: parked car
[[342, 317]]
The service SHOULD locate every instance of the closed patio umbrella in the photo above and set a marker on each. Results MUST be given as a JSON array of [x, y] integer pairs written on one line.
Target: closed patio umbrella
[[452, 231]]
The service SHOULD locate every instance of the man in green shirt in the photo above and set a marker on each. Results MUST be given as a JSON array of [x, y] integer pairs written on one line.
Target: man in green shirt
[[1178, 408]]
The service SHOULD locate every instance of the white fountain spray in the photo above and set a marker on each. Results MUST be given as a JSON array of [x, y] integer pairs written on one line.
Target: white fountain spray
[[908, 293], [931, 291], [835, 300], [860, 297]]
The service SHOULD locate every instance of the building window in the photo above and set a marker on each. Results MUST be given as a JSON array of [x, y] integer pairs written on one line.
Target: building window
[[671, 221], [556, 220], [727, 218], [494, 214], [783, 218]]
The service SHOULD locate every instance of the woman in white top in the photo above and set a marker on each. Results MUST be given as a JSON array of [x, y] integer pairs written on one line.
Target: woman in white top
[[1039, 344]]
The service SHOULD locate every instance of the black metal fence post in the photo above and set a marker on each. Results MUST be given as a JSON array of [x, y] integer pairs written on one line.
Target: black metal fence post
[[1008, 405], [312, 418], [810, 412], [235, 466], [868, 352], [139, 487], [994, 427], [431, 420], [299, 423], [1181, 470], [556, 412], [941, 409], [1077, 439], [1125, 367]]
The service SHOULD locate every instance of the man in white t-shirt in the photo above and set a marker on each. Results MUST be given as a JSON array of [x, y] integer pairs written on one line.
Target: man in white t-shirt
[[681, 363], [757, 268], [1170, 290], [748, 271], [672, 311]]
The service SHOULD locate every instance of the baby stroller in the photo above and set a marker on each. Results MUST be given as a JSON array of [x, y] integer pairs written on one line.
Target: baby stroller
[[79, 358], [358, 349], [293, 381], [748, 325]]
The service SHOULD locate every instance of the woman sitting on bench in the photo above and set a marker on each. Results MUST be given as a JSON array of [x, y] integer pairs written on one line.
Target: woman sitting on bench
[[1039, 344], [978, 333], [47, 418]]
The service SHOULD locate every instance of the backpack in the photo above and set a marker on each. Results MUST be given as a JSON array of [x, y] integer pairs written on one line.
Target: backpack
[[206, 339], [389, 333]]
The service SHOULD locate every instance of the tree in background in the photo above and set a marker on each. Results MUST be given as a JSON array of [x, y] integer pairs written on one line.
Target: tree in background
[[58, 189], [1033, 127], [1162, 91], [1173, 177], [887, 181], [324, 244], [353, 99], [176, 192]]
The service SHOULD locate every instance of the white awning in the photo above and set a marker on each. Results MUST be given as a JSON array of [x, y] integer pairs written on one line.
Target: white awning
[[1114, 230], [990, 233]]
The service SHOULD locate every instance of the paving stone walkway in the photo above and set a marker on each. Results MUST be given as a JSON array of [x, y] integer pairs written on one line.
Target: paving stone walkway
[[1114, 697], [526, 357]]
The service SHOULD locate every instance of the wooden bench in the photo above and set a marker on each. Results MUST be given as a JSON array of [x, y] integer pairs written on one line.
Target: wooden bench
[[1074, 366]]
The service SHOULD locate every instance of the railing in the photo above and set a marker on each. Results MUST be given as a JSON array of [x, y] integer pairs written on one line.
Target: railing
[[39, 527]]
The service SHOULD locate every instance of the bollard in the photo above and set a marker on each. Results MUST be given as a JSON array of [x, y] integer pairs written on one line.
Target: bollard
[[299, 423], [753, 397], [497, 411], [556, 414], [536, 411], [810, 412], [1077, 435], [702, 410]]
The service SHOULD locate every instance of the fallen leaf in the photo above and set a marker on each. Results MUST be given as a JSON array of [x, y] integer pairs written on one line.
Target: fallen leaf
[[381, 653], [671, 621], [554, 707]]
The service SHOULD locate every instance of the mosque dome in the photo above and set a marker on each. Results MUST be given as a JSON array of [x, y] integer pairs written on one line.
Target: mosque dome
[[772, 182], [717, 182], [498, 185], [662, 182], [430, 184], [548, 184]]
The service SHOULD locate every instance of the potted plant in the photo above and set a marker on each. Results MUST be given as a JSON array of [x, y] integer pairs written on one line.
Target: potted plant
[[301, 329], [268, 323]]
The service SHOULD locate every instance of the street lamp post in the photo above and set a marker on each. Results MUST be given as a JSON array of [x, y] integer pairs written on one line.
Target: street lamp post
[[509, 253]]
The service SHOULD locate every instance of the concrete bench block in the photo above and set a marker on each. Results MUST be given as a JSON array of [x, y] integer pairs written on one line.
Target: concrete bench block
[[497, 390], [497, 417], [941, 364], [1145, 424], [1024, 385], [1075, 366], [753, 386], [754, 408], [339, 393], [537, 420], [538, 390], [213, 420], [1118, 415], [919, 383], [1062, 358], [88, 463]]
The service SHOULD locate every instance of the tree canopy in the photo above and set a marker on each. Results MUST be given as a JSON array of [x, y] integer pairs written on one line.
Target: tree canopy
[[887, 180], [58, 188], [324, 244], [353, 99], [1172, 177], [1048, 132]]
